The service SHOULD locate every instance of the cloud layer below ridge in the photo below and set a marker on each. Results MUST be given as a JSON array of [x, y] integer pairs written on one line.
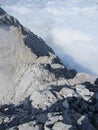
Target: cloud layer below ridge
[[69, 27]]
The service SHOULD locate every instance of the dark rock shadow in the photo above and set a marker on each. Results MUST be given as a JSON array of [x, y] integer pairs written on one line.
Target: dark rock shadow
[[19, 114], [61, 72]]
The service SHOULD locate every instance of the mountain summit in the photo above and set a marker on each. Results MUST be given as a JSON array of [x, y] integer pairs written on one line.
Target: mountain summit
[[37, 91]]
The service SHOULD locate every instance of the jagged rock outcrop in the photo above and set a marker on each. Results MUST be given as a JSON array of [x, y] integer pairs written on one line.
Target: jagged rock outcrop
[[22, 51], [41, 93]]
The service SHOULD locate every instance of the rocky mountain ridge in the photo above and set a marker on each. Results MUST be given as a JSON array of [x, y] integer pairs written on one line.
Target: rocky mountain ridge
[[43, 94]]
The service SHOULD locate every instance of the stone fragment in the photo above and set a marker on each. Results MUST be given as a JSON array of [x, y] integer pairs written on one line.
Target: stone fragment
[[84, 124]]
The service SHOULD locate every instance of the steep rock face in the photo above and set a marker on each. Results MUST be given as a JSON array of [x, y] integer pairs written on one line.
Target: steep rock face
[[19, 47], [41, 93]]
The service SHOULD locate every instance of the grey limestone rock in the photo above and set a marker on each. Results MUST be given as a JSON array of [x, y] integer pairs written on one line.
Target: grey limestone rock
[[37, 91], [61, 126]]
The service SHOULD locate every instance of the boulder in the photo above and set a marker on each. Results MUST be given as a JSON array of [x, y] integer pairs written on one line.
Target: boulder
[[83, 92], [61, 126], [27, 126]]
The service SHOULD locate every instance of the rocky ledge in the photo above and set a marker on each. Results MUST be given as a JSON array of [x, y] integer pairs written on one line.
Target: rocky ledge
[[43, 94]]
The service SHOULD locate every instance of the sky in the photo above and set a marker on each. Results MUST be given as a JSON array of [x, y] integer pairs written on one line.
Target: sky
[[70, 27]]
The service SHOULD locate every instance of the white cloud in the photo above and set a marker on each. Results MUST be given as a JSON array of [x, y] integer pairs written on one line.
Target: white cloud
[[69, 27]]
